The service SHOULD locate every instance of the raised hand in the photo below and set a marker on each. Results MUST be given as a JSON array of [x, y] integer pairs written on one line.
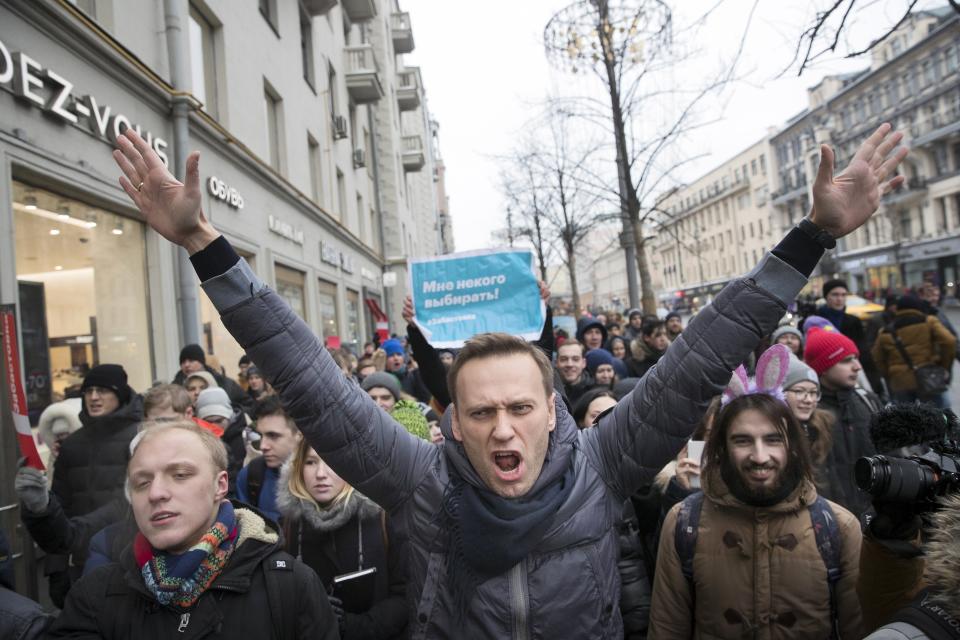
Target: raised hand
[[171, 207], [407, 314], [843, 203]]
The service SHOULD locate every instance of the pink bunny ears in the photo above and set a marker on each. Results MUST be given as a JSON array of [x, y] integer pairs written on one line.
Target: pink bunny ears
[[772, 370]]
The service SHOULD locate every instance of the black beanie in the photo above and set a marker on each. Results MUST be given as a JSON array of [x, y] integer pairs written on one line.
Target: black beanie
[[108, 376], [193, 352], [830, 285]]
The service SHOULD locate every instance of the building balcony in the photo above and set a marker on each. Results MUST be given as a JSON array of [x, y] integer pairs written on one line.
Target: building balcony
[[787, 194], [359, 10], [413, 155], [937, 126], [408, 89], [318, 7], [401, 31], [913, 190], [363, 77]]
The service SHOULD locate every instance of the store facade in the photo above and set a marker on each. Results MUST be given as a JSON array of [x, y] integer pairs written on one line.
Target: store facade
[[90, 281]]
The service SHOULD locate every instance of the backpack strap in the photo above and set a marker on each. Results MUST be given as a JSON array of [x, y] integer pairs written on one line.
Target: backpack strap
[[935, 622], [256, 471], [829, 544], [685, 535], [281, 588]]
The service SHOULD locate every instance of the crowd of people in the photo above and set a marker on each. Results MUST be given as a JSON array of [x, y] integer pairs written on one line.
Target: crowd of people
[[615, 483]]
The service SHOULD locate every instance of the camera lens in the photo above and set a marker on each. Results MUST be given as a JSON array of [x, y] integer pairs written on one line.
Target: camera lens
[[894, 479]]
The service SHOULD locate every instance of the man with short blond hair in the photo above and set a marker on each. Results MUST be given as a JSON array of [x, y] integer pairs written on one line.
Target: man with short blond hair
[[198, 561]]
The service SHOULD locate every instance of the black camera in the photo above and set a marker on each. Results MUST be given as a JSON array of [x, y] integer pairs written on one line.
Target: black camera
[[917, 478]]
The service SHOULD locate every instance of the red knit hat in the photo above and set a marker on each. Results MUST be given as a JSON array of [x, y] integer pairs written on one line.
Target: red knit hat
[[826, 348]]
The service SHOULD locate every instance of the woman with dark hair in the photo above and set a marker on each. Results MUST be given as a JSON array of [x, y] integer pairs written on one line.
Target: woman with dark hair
[[647, 349], [336, 530], [591, 405], [617, 346]]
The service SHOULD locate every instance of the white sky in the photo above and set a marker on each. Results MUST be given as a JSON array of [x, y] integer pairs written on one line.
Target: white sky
[[485, 72]]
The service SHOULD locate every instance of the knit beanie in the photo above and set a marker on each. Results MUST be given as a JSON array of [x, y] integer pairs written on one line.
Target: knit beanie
[[799, 372], [826, 348], [213, 401], [193, 352], [671, 315], [634, 312], [108, 376], [817, 322], [830, 285], [393, 347], [409, 415], [597, 357], [206, 376], [784, 330], [382, 379]]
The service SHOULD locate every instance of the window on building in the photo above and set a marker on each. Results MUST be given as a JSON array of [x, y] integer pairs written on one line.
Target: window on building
[[905, 225], [943, 219], [753, 167], [342, 196], [316, 177], [736, 175], [951, 58], [268, 9], [751, 230], [274, 117], [306, 47], [89, 7], [203, 61], [81, 284], [929, 75], [893, 93], [763, 163], [956, 210], [290, 287], [332, 91], [361, 226], [374, 231], [352, 333], [875, 104], [912, 82], [327, 299]]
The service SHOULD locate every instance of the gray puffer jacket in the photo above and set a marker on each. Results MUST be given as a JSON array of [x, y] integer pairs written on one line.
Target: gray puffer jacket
[[568, 587]]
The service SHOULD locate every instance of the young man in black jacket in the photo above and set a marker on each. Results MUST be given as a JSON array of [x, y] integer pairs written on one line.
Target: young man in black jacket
[[199, 564]]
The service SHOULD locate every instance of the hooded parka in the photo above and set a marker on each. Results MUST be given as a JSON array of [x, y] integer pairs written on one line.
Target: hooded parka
[[113, 602], [925, 340], [568, 585], [757, 572]]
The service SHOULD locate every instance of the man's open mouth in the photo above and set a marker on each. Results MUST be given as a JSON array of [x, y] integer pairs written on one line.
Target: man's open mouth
[[508, 465], [162, 516]]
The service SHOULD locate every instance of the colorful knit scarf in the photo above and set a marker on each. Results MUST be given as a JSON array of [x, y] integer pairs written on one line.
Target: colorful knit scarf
[[180, 579]]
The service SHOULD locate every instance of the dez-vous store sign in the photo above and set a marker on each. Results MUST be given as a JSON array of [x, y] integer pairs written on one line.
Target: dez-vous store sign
[[53, 93]]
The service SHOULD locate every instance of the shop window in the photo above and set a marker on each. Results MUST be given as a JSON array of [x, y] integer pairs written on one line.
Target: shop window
[[327, 298], [290, 287], [352, 334], [217, 340], [81, 273], [203, 60]]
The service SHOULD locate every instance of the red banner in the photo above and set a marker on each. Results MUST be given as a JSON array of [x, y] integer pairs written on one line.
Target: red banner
[[18, 399]]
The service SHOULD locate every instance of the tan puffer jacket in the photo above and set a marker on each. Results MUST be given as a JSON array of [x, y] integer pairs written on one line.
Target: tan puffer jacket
[[757, 573], [926, 341]]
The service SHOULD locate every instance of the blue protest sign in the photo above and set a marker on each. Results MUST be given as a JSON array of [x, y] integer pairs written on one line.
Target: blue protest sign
[[459, 295]]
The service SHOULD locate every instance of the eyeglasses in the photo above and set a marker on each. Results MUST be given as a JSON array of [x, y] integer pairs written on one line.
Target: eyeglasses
[[805, 394]]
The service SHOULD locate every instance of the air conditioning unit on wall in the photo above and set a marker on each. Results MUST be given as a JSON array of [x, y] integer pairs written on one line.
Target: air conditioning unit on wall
[[359, 158], [339, 127]]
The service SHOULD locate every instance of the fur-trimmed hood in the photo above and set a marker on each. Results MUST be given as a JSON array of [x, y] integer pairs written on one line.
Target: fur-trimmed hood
[[68, 411], [943, 556], [292, 508]]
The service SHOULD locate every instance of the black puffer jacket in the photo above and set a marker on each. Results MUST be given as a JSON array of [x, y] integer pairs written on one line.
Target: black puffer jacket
[[635, 584], [330, 544], [112, 601], [236, 448], [93, 461], [852, 410]]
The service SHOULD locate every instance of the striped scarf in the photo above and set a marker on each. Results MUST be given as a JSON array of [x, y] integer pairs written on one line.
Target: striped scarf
[[180, 579]]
